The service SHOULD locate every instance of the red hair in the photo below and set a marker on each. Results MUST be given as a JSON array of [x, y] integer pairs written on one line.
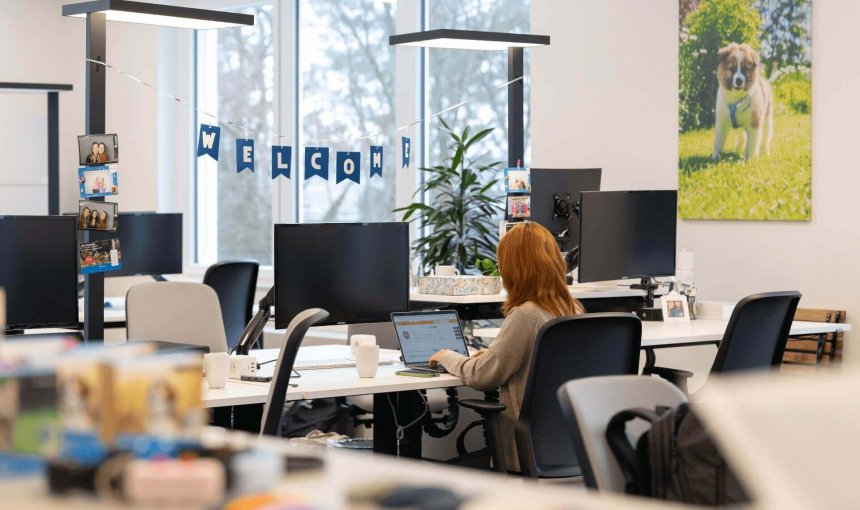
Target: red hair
[[533, 269]]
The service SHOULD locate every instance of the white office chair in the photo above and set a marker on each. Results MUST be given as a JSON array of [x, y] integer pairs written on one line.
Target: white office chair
[[181, 312], [589, 404]]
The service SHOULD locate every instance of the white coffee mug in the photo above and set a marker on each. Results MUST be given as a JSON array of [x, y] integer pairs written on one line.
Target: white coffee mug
[[367, 360], [446, 271], [358, 340], [217, 366]]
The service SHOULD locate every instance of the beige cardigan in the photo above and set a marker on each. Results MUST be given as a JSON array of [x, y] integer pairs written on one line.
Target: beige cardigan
[[505, 365]]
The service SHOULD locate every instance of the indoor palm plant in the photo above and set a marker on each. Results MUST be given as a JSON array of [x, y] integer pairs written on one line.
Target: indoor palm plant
[[460, 217]]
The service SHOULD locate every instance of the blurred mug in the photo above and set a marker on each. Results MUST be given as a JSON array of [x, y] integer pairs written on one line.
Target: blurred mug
[[217, 366], [367, 360], [355, 341], [446, 271]]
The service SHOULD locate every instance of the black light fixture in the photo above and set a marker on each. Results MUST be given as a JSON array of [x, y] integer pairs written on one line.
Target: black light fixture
[[53, 91], [475, 40], [97, 14]]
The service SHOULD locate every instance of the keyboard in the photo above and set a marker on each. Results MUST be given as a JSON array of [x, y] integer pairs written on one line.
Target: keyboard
[[320, 364]]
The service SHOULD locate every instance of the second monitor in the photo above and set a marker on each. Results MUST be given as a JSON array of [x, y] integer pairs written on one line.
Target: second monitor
[[150, 243], [358, 272]]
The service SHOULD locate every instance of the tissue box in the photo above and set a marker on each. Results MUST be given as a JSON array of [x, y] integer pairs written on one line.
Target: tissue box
[[463, 285]]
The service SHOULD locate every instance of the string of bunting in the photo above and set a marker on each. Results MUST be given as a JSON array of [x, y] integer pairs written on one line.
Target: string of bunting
[[316, 157]]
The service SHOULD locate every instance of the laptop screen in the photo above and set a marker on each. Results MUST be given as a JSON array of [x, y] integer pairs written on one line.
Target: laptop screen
[[422, 334]]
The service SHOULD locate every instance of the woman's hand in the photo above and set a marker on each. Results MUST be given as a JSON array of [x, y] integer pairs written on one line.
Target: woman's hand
[[434, 359], [479, 353]]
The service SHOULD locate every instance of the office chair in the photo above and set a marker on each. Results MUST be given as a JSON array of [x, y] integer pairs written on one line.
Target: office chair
[[588, 405], [179, 312], [235, 283], [296, 331], [565, 348], [755, 337]]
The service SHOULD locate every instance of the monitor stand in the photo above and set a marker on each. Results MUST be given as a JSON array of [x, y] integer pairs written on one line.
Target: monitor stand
[[13, 332], [159, 278], [649, 286]]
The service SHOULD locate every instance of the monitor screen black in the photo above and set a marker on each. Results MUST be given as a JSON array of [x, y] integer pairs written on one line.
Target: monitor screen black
[[358, 272], [39, 271], [150, 243], [627, 234], [556, 190]]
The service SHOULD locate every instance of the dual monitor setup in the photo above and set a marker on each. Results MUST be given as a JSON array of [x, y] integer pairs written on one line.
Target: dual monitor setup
[[39, 269]]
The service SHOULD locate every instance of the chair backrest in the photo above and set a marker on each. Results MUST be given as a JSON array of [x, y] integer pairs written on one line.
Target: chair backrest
[[757, 332], [588, 405], [180, 312], [274, 408], [569, 348], [235, 282]]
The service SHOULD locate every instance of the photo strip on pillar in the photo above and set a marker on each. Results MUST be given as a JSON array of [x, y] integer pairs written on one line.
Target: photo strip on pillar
[[101, 216], [519, 207], [100, 256], [98, 181], [98, 149]]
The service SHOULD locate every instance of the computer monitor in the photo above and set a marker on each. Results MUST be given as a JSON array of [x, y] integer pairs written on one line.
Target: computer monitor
[[150, 243], [555, 193], [358, 272], [627, 234], [39, 271]]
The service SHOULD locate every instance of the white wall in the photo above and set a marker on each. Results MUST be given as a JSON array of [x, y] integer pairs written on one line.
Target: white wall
[[40, 45], [605, 93]]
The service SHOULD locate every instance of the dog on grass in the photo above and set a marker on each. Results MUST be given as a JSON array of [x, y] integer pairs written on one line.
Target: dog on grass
[[744, 101]]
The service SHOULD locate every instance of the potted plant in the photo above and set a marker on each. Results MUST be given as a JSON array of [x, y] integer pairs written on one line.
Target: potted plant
[[461, 216]]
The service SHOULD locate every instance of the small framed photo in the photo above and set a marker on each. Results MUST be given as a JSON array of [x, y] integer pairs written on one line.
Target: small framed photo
[[518, 180], [100, 256], [100, 216], [98, 181], [675, 308], [98, 149], [519, 207]]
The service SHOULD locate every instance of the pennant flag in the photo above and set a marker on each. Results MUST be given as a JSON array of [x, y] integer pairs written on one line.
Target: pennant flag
[[316, 162], [349, 167], [209, 141], [244, 155], [406, 145], [282, 160], [376, 160]]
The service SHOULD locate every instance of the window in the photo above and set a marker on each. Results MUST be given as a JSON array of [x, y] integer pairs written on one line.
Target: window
[[235, 81]]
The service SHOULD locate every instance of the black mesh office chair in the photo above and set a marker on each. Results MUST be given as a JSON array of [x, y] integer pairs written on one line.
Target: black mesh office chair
[[296, 331], [566, 348], [755, 337], [235, 283]]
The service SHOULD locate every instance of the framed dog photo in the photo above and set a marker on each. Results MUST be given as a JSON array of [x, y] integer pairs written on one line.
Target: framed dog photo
[[518, 180], [519, 207], [100, 256], [98, 181], [98, 149], [675, 308], [100, 216]]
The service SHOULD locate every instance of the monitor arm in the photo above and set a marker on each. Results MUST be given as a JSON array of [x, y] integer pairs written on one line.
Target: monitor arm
[[649, 286], [255, 326]]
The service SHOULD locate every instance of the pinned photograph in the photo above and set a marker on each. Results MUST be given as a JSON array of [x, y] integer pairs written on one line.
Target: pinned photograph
[[97, 216], [100, 256], [519, 207], [518, 180], [98, 181], [98, 149]]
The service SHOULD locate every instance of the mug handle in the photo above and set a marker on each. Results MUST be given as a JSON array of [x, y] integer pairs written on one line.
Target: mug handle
[[456, 272]]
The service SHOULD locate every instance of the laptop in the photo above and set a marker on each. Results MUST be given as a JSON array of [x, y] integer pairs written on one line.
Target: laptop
[[422, 334]]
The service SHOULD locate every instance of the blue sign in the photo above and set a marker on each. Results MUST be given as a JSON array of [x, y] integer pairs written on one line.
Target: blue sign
[[376, 160], [349, 167], [244, 155], [316, 162], [406, 147], [282, 160], [209, 141]]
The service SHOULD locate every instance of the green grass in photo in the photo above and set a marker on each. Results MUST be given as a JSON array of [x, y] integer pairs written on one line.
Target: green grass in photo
[[771, 187]]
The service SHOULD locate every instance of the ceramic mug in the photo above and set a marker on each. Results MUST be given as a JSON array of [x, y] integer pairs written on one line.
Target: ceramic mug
[[446, 271], [356, 341], [217, 366], [367, 360]]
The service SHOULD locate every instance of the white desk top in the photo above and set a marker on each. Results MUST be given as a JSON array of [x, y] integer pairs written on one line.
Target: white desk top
[[665, 334], [581, 292], [334, 382], [792, 440]]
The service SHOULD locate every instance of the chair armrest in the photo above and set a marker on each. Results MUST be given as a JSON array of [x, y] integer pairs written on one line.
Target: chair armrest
[[673, 375], [483, 407]]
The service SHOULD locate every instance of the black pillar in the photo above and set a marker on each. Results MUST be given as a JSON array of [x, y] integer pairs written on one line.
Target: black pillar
[[94, 285], [516, 134], [53, 152]]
